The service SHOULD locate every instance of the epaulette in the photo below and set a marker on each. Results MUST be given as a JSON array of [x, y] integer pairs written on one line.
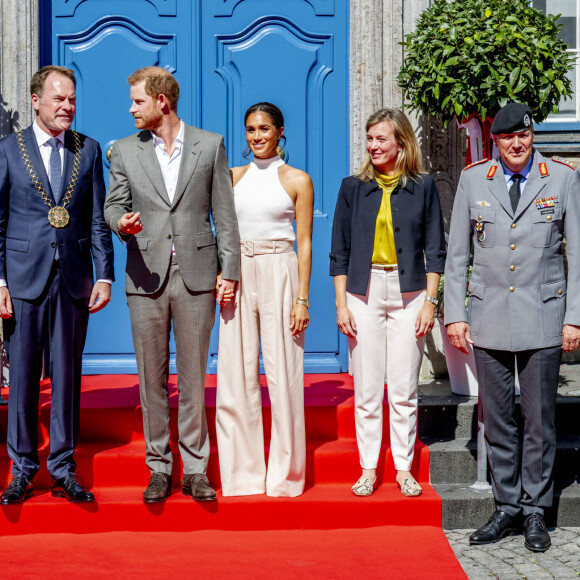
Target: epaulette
[[476, 163], [564, 162]]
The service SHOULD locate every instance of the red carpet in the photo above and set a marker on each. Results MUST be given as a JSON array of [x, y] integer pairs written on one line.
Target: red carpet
[[387, 552], [327, 531]]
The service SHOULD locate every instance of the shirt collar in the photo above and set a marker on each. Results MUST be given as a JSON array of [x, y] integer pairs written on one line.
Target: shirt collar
[[524, 173], [178, 140], [42, 136]]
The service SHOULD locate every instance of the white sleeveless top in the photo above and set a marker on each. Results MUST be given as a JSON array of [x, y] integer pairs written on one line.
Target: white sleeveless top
[[264, 209]]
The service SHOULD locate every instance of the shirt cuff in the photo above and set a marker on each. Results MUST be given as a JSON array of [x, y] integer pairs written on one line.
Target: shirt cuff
[[105, 280]]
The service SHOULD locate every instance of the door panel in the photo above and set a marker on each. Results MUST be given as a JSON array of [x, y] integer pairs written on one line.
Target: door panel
[[226, 55], [299, 61]]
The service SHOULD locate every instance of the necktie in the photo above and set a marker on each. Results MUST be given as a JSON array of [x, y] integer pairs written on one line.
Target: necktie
[[55, 168], [515, 190]]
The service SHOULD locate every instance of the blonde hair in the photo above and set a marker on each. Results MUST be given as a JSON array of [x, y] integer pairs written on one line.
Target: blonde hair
[[158, 81], [409, 161]]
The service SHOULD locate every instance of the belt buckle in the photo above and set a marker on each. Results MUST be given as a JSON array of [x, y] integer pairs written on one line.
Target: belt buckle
[[249, 248]]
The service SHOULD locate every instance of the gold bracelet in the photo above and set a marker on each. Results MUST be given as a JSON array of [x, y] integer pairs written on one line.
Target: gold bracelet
[[303, 301]]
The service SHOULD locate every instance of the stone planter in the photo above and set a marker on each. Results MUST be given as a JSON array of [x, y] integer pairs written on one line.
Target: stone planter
[[461, 367]]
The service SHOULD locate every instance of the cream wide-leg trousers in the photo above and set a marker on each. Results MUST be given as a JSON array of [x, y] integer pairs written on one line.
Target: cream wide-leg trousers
[[386, 315], [264, 300]]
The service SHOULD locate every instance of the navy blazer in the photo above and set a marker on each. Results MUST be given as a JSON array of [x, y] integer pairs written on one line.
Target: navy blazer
[[417, 225], [27, 240]]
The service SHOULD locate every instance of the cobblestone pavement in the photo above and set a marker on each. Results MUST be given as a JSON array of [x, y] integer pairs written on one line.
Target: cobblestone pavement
[[510, 560]]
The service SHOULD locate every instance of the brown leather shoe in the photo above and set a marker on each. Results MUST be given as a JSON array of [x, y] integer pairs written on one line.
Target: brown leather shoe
[[197, 486], [159, 487]]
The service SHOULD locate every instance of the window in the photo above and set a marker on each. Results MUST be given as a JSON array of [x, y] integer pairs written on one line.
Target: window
[[569, 11]]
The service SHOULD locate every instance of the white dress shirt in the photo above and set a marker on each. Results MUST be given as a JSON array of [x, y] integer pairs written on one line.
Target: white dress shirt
[[170, 164]]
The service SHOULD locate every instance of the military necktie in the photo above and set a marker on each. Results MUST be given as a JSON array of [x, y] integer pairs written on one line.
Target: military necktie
[[55, 168], [515, 190]]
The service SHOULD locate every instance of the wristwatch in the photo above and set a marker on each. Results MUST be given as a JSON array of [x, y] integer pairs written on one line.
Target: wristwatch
[[303, 301], [431, 299]]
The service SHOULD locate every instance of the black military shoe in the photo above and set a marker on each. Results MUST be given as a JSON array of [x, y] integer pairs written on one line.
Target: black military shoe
[[69, 488], [19, 490], [536, 534], [499, 525]]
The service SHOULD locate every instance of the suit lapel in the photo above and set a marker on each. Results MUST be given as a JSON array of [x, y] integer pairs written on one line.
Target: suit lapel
[[150, 163], [69, 156], [189, 158], [534, 185], [36, 160], [498, 188]]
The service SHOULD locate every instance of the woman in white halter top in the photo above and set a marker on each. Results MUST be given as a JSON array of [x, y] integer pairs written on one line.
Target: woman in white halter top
[[271, 308]]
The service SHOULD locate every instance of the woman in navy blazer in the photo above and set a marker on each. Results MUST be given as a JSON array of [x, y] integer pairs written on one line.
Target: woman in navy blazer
[[388, 251]]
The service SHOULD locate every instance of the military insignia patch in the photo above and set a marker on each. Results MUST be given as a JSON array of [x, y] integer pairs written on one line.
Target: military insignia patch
[[483, 203], [491, 172], [543, 169], [476, 163], [563, 162]]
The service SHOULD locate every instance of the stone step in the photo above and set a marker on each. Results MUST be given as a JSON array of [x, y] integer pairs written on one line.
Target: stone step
[[450, 416], [455, 460], [464, 508]]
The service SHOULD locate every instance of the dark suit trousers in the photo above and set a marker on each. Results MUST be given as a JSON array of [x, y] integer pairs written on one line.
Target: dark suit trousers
[[192, 315], [521, 481], [55, 316]]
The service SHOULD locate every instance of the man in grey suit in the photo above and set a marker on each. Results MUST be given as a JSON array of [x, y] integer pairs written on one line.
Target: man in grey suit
[[515, 211], [164, 183]]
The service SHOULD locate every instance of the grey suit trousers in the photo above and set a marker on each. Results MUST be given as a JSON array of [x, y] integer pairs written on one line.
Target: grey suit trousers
[[192, 315], [521, 482]]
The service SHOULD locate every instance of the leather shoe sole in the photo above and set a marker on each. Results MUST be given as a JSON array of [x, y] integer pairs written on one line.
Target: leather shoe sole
[[89, 497], [504, 534], [187, 491], [157, 499]]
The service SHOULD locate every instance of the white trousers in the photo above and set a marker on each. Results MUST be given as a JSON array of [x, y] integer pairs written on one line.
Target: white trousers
[[264, 301], [386, 315]]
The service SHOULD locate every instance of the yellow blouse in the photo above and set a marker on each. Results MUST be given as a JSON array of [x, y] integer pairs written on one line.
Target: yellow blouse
[[384, 251]]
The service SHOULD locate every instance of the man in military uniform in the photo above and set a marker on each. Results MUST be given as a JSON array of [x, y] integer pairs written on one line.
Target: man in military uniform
[[515, 209]]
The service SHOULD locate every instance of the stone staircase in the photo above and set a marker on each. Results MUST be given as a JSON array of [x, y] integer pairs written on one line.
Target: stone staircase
[[448, 426]]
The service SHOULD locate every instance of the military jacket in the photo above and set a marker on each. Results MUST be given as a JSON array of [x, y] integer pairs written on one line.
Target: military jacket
[[519, 297]]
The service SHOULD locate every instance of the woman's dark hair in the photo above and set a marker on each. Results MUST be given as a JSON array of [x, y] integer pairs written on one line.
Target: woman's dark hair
[[270, 109]]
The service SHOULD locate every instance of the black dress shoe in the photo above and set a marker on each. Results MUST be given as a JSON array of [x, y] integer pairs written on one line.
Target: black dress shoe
[[536, 534], [499, 525], [19, 490], [69, 488], [159, 487], [197, 486]]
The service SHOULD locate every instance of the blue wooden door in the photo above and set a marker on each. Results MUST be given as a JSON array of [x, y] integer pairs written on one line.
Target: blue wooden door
[[226, 55]]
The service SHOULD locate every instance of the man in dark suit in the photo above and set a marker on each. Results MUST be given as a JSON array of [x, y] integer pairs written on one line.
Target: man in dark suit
[[165, 182], [52, 231]]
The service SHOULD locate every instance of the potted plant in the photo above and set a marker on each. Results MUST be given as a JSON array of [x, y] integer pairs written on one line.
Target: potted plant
[[467, 59]]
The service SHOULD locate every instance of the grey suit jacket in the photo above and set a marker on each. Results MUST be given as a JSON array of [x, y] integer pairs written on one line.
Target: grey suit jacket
[[204, 186], [518, 288]]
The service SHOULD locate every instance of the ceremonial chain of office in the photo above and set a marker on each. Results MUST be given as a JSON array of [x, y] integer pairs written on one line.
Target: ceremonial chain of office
[[58, 215]]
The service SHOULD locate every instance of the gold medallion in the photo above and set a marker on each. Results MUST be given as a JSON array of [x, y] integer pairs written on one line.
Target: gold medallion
[[58, 217]]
